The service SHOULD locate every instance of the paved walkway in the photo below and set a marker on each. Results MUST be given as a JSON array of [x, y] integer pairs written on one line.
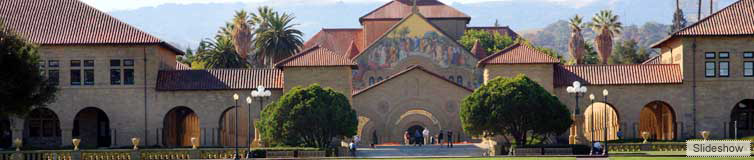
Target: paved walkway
[[459, 150]]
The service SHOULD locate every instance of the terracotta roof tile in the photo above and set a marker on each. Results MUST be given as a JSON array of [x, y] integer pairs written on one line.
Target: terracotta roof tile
[[415, 67], [337, 40], [618, 74], [653, 60], [221, 79], [50, 22], [398, 9], [518, 54], [503, 30], [478, 50], [314, 57], [735, 19], [353, 51]]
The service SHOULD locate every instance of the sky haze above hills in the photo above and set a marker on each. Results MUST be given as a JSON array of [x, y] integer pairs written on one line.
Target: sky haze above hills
[[186, 22]]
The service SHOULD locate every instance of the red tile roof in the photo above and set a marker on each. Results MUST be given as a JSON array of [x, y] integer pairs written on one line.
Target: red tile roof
[[63, 22], [352, 51], [398, 9], [316, 57], [618, 74], [415, 67], [503, 30], [221, 79], [338, 40], [478, 50], [518, 54], [736, 19]]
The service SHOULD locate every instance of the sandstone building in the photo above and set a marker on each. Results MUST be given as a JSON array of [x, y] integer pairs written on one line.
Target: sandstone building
[[403, 70]]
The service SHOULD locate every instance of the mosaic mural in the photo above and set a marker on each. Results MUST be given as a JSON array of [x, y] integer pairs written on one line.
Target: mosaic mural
[[414, 37]]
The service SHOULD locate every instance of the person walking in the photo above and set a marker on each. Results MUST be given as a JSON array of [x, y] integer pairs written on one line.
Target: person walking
[[374, 138], [440, 137], [450, 139], [352, 148], [426, 136], [417, 138], [407, 138]]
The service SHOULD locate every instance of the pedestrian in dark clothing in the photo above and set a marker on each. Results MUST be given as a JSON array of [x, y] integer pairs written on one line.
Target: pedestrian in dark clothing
[[417, 138], [450, 139]]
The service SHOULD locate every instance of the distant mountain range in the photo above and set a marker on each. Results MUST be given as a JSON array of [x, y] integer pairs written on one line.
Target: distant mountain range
[[186, 25]]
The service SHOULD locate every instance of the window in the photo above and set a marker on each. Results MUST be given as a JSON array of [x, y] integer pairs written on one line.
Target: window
[[128, 62], [89, 77], [53, 63], [748, 54], [88, 63], [115, 63], [724, 68], [709, 55], [115, 76], [379, 79], [371, 81], [748, 69], [459, 79], [453, 79], [128, 76], [53, 76], [724, 55], [709, 69], [75, 77], [75, 63]]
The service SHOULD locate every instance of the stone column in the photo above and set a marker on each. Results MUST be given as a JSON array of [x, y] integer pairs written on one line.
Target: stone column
[[577, 131], [67, 135]]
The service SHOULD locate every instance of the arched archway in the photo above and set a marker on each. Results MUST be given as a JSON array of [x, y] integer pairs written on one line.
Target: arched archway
[[42, 129], [658, 118], [228, 133], [6, 136], [92, 126], [594, 117], [179, 125], [413, 118], [743, 116]]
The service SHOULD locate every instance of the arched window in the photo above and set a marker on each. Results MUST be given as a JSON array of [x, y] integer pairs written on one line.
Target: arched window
[[43, 123], [459, 79], [371, 81], [379, 79], [452, 78]]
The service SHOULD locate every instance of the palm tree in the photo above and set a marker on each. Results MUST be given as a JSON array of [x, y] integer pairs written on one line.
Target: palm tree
[[576, 45], [276, 38], [241, 33], [264, 14], [220, 53], [606, 25]]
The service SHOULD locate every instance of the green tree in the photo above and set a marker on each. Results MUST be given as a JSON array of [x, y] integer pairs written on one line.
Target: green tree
[[517, 107], [629, 52], [606, 25], [242, 33], [219, 53], [22, 84], [308, 117], [276, 37], [679, 20], [591, 56], [576, 44], [492, 42]]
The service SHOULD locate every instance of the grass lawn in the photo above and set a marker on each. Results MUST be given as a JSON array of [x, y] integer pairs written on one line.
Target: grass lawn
[[679, 158], [572, 158]]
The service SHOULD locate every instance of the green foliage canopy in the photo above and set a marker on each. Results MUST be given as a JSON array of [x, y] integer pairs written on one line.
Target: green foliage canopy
[[22, 83], [308, 117], [517, 106], [492, 42]]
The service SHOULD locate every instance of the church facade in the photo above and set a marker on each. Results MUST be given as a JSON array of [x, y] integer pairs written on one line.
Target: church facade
[[403, 70]]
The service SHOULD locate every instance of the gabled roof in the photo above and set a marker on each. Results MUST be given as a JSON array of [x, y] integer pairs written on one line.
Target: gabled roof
[[397, 9], [628, 74], [353, 51], [735, 20], [503, 30], [338, 40], [518, 54], [219, 79], [316, 57], [415, 67], [66, 22], [478, 50]]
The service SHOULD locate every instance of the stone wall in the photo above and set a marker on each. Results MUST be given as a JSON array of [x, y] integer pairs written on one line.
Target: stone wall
[[540, 73]]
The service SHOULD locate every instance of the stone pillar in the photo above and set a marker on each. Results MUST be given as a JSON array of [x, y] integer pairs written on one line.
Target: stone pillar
[[577, 131], [75, 155], [67, 135], [135, 154]]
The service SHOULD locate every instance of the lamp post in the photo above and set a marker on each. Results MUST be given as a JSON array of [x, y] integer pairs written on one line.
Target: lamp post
[[591, 97], [604, 93], [248, 130], [577, 90], [235, 98], [261, 94]]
